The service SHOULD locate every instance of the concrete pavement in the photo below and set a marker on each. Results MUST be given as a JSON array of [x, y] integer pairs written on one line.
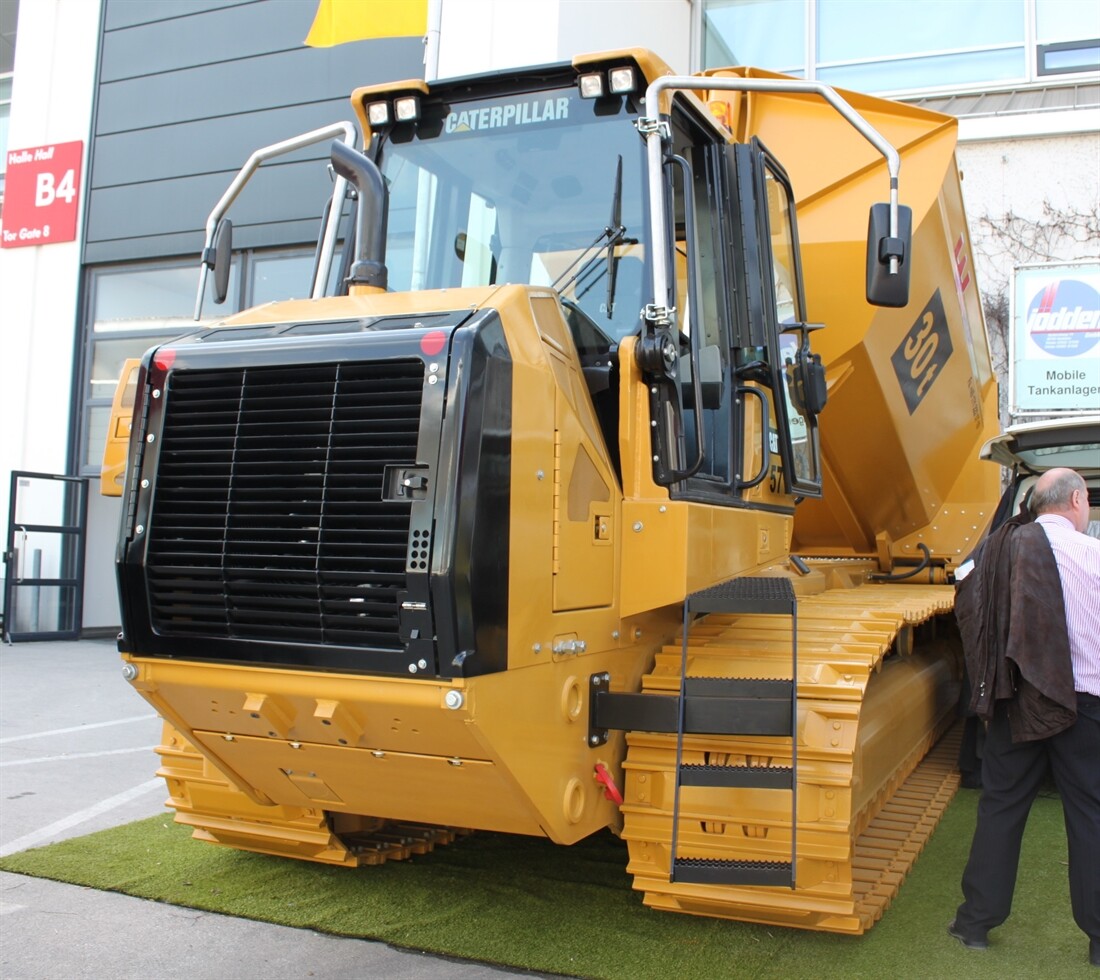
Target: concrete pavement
[[76, 755]]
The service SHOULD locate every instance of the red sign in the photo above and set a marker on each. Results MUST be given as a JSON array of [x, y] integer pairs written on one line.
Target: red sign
[[42, 194]]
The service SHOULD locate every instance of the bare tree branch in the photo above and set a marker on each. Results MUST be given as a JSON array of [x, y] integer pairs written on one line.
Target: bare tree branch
[[1005, 241]]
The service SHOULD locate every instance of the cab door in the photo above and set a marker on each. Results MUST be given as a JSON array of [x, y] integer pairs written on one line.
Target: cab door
[[773, 358], [702, 453]]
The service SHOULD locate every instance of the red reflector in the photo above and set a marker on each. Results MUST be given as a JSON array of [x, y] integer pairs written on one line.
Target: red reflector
[[164, 358], [432, 342]]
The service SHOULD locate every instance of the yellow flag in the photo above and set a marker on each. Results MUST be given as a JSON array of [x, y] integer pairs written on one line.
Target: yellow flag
[[340, 21]]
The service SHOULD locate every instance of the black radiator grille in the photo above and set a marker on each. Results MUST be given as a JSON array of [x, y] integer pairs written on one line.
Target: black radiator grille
[[268, 521]]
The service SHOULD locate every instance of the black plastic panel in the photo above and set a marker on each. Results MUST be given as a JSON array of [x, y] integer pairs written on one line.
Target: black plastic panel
[[470, 581], [267, 518], [334, 500]]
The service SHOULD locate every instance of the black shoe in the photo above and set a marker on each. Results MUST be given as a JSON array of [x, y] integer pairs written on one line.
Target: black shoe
[[1094, 952], [970, 942]]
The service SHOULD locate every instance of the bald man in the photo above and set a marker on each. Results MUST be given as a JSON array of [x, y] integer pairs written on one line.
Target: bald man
[[1031, 633]]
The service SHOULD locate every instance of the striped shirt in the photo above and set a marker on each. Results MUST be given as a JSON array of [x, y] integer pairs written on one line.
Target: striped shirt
[[1078, 558]]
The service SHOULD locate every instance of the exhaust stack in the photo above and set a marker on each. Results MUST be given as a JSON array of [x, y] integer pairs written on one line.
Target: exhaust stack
[[369, 269]]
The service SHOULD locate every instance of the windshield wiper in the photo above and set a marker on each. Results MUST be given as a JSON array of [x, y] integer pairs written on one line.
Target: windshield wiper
[[618, 234], [614, 234]]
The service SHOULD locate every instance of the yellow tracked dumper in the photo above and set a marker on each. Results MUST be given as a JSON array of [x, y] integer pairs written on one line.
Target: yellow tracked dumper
[[562, 514]]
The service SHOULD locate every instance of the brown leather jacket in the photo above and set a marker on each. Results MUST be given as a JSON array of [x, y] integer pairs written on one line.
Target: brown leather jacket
[[1013, 623]]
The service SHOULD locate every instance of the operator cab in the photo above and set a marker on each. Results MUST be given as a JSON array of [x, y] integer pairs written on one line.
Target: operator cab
[[543, 180]]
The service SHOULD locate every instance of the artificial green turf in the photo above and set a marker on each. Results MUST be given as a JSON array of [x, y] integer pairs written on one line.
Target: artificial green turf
[[528, 904]]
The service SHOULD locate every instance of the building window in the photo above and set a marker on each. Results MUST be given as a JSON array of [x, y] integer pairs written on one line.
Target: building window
[[134, 307], [285, 274], [902, 46], [764, 33], [5, 118], [9, 19], [891, 46], [1067, 57]]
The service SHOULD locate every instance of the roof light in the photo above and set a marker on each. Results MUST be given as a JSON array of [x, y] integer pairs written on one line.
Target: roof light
[[407, 109], [592, 86], [622, 81], [378, 114]]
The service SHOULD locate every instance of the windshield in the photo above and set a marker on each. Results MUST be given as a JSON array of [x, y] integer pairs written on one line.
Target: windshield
[[522, 189]]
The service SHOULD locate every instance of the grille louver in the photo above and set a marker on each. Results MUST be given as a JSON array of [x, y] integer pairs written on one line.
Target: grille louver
[[268, 521]]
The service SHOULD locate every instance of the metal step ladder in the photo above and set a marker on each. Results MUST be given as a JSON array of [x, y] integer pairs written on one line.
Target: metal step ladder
[[738, 706]]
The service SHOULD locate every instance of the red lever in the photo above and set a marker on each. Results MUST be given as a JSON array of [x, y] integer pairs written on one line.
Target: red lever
[[610, 790]]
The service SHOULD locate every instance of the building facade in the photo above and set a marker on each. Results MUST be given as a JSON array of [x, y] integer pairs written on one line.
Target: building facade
[[163, 100]]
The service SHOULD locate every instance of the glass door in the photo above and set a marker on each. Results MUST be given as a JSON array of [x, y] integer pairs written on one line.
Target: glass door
[[44, 557]]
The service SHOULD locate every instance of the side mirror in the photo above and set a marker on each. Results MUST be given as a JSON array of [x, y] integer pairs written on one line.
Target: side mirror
[[883, 287], [806, 383], [223, 259]]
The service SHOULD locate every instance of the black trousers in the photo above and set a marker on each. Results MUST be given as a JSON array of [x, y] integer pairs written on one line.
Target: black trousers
[[1012, 775]]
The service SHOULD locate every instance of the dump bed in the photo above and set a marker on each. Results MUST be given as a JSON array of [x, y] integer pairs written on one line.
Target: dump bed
[[912, 396]]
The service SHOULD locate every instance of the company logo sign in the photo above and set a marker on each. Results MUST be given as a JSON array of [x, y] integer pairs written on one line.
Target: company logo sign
[[508, 115], [1055, 340], [1063, 318]]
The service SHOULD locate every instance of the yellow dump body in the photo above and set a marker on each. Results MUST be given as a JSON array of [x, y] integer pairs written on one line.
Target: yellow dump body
[[911, 391]]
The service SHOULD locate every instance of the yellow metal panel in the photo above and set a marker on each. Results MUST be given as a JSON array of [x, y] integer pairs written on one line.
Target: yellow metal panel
[[116, 450], [416, 758], [584, 572], [429, 788]]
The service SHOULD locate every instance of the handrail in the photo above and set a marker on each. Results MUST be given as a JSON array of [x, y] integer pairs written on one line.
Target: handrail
[[265, 153]]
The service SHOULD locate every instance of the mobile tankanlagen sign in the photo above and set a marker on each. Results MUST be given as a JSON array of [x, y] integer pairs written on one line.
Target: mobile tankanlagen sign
[[1055, 348]]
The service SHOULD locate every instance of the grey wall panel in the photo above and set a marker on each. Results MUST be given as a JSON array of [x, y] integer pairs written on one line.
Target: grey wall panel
[[186, 246], [142, 11], [253, 84], [282, 192], [226, 34], [209, 145], [186, 91]]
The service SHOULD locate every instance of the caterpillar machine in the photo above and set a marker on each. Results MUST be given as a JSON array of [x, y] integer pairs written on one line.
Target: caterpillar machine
[[560, 513]]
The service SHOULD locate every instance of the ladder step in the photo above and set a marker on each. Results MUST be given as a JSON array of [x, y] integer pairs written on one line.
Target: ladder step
[[712, 716], [739, 706], [738, 687], [748, 777], [747, 715], [714, 871], [745, 595]]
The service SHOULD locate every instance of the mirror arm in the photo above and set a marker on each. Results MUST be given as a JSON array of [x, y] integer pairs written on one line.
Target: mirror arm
[[343, 130]]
